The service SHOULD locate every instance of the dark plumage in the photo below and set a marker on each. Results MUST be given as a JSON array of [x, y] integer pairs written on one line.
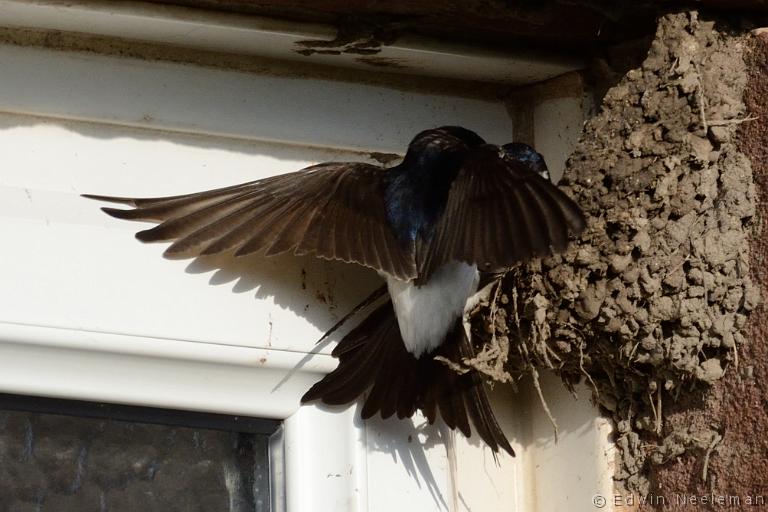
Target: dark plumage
[[373, 356], [455, 205]]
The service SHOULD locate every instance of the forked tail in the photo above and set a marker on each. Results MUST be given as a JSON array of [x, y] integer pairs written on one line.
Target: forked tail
[[373, 359]]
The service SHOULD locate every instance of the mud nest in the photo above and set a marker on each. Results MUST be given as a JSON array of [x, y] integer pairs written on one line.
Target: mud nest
[[650, 303]]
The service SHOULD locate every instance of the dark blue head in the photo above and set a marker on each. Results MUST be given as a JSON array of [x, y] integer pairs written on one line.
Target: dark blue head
[[468, 137], [438, 146], [527, 156], [417, 189]]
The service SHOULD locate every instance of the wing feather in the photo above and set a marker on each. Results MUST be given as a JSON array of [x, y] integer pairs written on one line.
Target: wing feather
[[499, 212], [320, 210]]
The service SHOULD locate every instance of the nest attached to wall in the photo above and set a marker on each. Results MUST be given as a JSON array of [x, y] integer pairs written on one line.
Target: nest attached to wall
[[650, 303]]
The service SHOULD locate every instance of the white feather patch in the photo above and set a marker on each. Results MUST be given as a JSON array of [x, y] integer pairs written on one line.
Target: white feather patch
[[426, 313]]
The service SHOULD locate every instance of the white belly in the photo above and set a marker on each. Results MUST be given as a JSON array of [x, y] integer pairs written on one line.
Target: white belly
[[426, 313]]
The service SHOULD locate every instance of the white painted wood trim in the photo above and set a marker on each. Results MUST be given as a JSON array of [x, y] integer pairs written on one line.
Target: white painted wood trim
[[188, 99], [326, 461], [276, 39], [174, 374]]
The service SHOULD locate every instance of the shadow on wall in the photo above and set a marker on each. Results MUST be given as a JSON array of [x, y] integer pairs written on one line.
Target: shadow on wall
[[318, 290], [60, 159], [407, 442]]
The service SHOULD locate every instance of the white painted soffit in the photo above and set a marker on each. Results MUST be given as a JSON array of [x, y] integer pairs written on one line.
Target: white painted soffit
[[276, 39]]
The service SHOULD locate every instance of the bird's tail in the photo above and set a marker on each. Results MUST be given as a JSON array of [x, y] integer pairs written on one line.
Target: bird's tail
[[373, 358]]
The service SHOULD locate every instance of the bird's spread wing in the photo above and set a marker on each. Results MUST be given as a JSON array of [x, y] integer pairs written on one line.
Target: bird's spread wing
[[333, 210], [499, 212]]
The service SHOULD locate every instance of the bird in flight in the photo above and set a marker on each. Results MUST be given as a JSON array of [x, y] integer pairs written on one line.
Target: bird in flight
[[454, 207]]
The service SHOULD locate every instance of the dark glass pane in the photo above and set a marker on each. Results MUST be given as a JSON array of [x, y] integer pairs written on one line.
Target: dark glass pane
[[115, 458]]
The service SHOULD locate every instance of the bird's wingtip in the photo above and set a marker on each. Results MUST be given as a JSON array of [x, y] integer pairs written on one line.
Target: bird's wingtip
[[118, 213], [110, 199]]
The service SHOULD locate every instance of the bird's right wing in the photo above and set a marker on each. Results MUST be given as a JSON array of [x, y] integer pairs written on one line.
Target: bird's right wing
[[498, 213], [332, 210]]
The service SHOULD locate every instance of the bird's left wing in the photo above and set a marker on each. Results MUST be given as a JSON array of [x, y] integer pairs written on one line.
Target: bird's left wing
[[499, 212], [332, 210]]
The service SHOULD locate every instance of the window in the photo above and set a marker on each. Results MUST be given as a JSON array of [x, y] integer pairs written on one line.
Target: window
[[75, 455]]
